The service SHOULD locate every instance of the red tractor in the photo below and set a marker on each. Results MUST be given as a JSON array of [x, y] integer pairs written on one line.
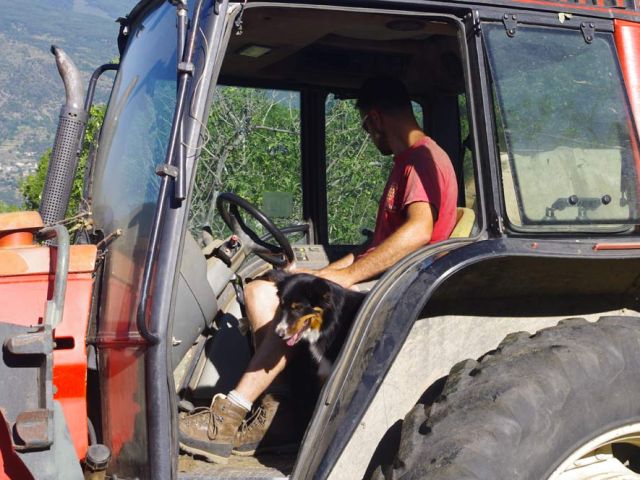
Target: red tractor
[[109, 334]]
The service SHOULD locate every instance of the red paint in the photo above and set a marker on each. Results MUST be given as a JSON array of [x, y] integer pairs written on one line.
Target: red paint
[[570, 6], [616, 246], [122, 396], [17, 228], [121, 349], [16, 239], [27, 275], [627, 36]]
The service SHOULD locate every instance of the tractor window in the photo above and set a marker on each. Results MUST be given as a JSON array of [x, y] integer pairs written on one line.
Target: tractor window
[[564, 133], [468, 177], [252, 149], [133, 141], [356, 174]]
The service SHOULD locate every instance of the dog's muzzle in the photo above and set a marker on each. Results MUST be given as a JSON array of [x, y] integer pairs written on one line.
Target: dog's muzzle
[[293, 333]]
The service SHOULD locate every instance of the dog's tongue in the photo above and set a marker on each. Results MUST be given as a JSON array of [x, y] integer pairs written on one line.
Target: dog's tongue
[[291, 341]]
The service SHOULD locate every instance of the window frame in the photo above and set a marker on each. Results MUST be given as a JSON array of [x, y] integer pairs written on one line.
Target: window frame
[[501, 219]]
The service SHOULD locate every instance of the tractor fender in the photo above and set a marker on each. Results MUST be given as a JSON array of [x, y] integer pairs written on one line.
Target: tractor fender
[[398, 348]]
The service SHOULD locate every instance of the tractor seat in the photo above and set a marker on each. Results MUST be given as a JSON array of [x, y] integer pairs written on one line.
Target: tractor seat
[[465, 220]]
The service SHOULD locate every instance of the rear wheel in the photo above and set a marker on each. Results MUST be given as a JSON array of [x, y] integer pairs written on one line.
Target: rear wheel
[[563, 404]]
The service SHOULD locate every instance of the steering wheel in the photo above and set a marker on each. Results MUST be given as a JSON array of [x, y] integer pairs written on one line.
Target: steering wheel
[[280, 255]]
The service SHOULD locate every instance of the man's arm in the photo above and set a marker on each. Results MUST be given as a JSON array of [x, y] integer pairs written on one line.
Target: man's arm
[[414, 233], [349, 258], [341, 263]]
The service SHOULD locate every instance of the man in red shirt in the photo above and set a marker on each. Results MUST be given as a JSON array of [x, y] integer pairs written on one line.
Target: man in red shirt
[[417, 207]]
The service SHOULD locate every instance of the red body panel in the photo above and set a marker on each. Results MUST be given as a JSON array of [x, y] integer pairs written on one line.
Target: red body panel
[[628, 44], [121, 349], [27, 275]]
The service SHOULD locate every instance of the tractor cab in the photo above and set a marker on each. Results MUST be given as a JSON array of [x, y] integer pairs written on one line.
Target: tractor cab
[[286, 143]]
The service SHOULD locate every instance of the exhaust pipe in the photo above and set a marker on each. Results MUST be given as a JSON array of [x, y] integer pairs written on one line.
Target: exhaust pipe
[[66, 147]]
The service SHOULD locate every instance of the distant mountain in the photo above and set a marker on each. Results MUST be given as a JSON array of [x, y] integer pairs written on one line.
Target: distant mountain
[[31, 91]]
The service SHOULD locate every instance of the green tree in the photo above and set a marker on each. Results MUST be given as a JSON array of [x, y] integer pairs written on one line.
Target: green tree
[[252, 146], [6, 207], [356, 174], [32, 186]]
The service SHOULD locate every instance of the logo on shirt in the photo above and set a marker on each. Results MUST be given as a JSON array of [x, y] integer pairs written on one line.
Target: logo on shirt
[[390, 201]]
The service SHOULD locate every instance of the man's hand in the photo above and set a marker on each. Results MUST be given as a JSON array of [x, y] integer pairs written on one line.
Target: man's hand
[[339, 276], [336, 275], [295, 270]]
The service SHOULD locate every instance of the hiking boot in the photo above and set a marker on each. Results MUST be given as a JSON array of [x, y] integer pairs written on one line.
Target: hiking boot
[[210, 432], [271, 428]]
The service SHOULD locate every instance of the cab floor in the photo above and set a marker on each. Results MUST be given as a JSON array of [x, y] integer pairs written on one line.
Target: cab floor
[[265, 467]]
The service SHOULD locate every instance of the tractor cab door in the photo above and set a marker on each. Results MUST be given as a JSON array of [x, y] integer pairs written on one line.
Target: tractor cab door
[[148, 141]]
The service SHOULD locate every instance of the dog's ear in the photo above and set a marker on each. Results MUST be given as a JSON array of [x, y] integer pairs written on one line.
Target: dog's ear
[[322, 290], [320, 286]]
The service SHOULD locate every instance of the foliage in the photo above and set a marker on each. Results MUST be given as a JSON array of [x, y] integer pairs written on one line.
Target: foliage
[[32, 186], [356, 174], [253, 147], [6, 207]]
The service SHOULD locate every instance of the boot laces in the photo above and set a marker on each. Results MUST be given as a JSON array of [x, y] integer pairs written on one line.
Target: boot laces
[[212, 419], [259, 417], [212, 427]]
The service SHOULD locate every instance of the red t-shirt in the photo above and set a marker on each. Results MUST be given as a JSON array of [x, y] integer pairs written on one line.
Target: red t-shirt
[[422, 173]]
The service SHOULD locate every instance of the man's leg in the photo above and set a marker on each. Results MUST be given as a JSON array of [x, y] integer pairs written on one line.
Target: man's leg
[[212, 433], [269, 360]]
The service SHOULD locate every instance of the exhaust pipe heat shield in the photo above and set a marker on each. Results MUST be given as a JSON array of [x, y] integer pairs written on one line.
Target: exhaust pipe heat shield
[[66, 147]]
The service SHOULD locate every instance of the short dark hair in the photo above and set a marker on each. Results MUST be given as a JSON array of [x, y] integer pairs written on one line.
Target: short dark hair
[[387, 94]]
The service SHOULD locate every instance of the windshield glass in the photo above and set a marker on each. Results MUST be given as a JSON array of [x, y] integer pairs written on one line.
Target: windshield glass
[[133, 141], [564, 129], [252, 149]]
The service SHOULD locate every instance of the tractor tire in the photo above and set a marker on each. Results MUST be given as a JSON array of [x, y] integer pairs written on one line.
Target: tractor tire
[[521, 410]]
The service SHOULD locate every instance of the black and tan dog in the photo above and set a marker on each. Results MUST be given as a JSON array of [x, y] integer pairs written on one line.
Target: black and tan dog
[[315, 310]]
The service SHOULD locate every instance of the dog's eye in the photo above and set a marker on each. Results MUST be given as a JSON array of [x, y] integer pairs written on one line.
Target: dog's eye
[[296, 306]]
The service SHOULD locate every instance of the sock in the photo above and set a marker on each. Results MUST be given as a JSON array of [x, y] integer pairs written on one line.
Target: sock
[[239, 400]]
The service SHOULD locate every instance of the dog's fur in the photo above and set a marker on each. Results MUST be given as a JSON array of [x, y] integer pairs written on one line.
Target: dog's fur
[[315, 310]]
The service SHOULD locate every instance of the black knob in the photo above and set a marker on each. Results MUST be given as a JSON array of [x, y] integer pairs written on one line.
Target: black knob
[[606, 199], [573, 200]]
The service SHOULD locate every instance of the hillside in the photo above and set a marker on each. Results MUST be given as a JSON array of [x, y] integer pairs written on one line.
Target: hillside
[[31, 91]]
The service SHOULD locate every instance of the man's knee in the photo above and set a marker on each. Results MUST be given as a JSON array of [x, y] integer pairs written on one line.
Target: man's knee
[[261, 300]]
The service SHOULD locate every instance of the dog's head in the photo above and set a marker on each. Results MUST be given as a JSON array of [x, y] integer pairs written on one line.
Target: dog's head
[[305, 306]]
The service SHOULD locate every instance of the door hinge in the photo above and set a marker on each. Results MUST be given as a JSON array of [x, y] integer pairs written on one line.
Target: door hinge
[[588, 30], [498, 223], [474, 19], [166, 170], [510, 21]]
